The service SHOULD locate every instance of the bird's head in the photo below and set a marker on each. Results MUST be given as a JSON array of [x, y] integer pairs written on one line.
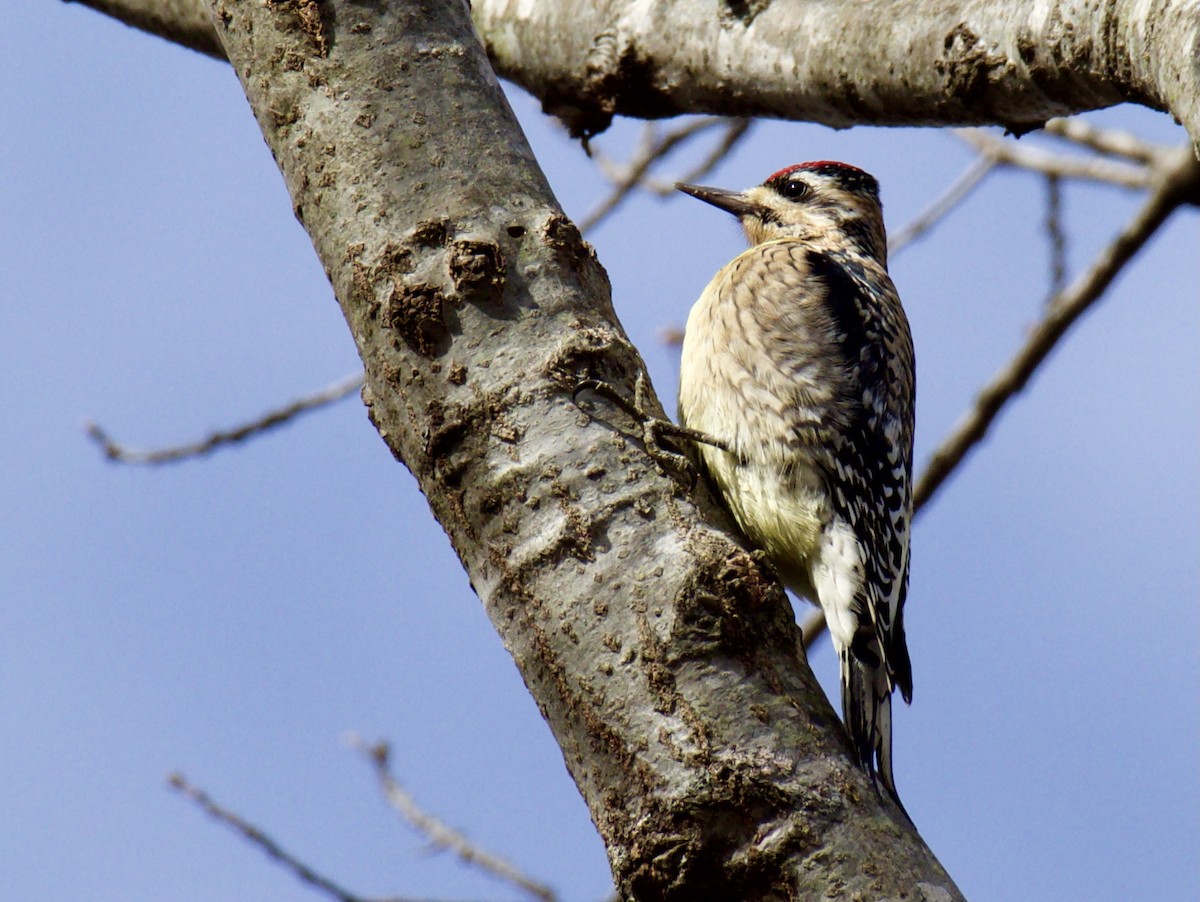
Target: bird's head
[[821, 201]]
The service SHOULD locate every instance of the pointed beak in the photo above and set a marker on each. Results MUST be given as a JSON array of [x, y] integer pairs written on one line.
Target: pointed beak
[[730, 201]]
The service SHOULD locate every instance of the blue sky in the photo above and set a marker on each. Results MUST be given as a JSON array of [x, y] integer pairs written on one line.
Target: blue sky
[[233, 618]]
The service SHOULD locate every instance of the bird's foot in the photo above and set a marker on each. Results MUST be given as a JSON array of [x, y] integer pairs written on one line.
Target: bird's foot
[[657, 433]]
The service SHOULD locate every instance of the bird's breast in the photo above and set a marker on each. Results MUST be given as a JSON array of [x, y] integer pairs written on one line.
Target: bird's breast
[[768, 398]]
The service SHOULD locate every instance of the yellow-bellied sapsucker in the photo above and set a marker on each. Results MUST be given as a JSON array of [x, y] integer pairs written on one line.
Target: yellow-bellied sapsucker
[[798, 363]]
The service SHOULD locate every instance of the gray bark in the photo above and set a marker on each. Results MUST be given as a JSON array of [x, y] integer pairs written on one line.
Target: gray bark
[[1015, 63], [185, 22], [662, 654]]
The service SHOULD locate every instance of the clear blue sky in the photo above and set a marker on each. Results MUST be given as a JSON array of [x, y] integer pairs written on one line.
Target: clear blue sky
[[233, 618]]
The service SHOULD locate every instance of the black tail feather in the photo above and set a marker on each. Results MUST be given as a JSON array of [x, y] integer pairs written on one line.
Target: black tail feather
[[867, 711]]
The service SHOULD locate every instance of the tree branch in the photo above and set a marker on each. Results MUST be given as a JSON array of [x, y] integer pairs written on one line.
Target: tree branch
[[1175, 184], [654, 148], [184, 22], [1038, 159], [115, 451], [955, 194], [1056, 236], [1015, 63], [1105, 140], [258, 837], [662, 655], [442, 836]]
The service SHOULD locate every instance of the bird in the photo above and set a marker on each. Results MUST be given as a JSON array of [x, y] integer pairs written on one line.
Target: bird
[[798, 370]]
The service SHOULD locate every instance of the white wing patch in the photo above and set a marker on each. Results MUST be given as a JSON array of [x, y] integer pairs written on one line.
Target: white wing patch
[[838, 577]]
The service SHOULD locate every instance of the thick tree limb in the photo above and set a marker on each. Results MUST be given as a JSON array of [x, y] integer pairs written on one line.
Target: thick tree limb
[[185, 22], [662, 655], [1015, 63], [1011, 62]]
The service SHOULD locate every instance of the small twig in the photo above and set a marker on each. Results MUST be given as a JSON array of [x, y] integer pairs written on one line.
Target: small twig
[[652, 148], [812, 628], [1175, 183], [115, 451], [439, 833], [947, 201], [257, 837], [1106, 141], [1031, 156], [1056, 235], [1173, 186], [735, 130]]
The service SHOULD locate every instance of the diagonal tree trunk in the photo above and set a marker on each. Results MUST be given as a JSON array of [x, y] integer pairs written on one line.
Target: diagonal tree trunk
[[662, 654]]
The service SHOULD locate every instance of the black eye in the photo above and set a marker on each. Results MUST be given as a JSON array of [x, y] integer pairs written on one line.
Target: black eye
[[794, 189]]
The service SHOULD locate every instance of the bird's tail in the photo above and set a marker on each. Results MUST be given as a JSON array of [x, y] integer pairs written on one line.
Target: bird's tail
[[867, 711]]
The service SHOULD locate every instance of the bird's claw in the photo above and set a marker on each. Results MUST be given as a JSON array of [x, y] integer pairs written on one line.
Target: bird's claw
[[657, 433]]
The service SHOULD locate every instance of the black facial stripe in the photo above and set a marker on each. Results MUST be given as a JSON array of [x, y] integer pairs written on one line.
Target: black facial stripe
[[847, 177]]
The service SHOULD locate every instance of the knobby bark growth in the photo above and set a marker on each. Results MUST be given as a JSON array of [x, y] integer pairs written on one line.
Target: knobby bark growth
[[662, 654]]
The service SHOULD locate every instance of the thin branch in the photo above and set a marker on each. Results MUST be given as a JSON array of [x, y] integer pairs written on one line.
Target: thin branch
[[1172, 188], [119, 453], [1106, 141], [735, 130], [440, 834], [257, 837], [185, 22], [1031, 156], [652, 148], [1174, 185], [1055, 234], [947, 201]]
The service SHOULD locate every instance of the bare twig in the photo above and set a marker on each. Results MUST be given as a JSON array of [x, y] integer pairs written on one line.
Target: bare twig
[[439, 833], [115, 451], [1175, 183], [735, 130], [651, 149], [1173, 186], [1055, 234], [257, 837], [1106, 141], [947, 201], [1031, 156]]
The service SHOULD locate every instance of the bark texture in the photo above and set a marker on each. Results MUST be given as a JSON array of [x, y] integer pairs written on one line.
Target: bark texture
[[185, 22], [663, 656], [1015, 63]]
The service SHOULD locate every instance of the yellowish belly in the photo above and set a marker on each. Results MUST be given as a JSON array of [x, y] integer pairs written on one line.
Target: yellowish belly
[[784, 516]]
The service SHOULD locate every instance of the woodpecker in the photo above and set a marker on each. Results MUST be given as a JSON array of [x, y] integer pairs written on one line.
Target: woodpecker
[[798, 364]]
